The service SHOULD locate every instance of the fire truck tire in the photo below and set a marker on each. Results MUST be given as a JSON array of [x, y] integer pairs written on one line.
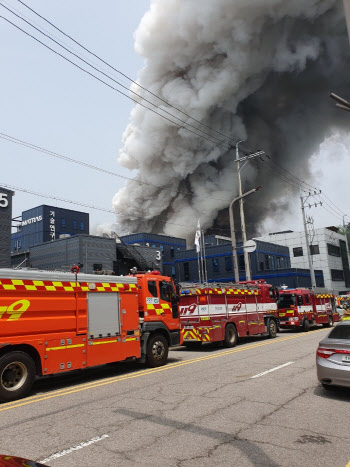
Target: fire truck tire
[[17, 374], [231, 335], [329, 324], [157, 350], [272, 328], [306, 325]]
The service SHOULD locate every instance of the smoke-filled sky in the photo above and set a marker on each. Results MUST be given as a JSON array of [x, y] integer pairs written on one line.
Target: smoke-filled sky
[[258, 71]]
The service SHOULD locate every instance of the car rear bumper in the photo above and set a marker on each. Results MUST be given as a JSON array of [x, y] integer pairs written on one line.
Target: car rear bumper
[[332, 374]]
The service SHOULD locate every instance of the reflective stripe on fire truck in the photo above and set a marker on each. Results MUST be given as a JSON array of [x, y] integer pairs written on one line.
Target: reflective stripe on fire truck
[[319, 295], [54, 286], [220, 292], [62, 347], [159, 308], [194, 334]]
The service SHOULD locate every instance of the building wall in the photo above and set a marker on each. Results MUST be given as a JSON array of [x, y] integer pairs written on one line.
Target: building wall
[[321, 258], [5, 227], [93, 252], [269, 261], [46, 223], [167, 245]]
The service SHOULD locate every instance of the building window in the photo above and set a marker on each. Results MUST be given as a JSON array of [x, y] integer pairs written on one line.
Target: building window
[[228, 263], [261, 265], [298, 251], [215, 265], [19, 243], [272, 262], [187, 271], [333, 250], [75, 224], [267, 263], [173, 273], [314, 250], [63, 222], [81, 225], [241, 263], [337, 274], [172, 252], [278, 262]]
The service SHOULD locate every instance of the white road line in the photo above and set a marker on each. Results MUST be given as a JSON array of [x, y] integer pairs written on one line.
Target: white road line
[[82, 445], [272, 369]]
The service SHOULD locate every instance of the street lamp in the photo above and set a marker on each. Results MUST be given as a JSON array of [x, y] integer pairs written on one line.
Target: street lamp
[[233, 235]]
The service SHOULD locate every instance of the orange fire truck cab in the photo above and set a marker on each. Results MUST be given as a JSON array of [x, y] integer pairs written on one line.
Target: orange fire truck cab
[[52, 322], [224, 312], [302, 308]]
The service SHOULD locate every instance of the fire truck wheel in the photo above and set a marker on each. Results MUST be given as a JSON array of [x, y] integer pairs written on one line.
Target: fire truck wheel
[[17, 374], [306, 325], [230, 335], [329, 324], [272, 328], [157, 350]]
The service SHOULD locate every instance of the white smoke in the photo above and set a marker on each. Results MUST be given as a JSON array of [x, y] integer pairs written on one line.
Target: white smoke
[[256, 70]]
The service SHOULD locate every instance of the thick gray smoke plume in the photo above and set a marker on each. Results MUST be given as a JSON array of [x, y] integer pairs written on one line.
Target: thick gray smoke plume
[[256, 70]]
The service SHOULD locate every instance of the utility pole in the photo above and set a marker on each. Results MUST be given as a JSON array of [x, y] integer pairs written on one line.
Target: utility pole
[[233, 233], [346, 238], [241, 208], [311, 267]]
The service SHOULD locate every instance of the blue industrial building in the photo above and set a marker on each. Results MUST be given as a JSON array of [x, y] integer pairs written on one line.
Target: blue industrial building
[[167, 246], [269, 261], [46, 223]]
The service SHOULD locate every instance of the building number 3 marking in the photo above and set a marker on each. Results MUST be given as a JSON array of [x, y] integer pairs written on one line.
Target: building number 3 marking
[[15, 310], [4, 202]]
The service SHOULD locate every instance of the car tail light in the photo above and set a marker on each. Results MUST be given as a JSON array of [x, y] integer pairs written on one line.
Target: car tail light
[[325, 353]]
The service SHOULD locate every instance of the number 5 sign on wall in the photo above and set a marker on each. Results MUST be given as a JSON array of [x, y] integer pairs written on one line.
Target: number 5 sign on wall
[[4, 202]]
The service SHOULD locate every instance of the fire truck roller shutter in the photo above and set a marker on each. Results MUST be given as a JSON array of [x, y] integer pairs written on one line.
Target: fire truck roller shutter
[[104, 314], [17, 374]]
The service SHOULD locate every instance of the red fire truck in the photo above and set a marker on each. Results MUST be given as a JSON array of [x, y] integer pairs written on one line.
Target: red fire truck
[[224, 312], [52, 322], [302, 308]]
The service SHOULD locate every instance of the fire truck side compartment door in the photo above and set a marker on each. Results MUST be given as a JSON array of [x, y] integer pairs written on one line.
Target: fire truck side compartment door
[[103, 314]]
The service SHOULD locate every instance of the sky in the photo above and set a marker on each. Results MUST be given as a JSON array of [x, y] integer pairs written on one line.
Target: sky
[[48, 102]]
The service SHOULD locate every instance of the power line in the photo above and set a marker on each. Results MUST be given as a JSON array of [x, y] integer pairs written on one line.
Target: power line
[[286, 178], [124, 75], [14, 140], [90, 206], [158, 97], [119, 84], [112, 87]]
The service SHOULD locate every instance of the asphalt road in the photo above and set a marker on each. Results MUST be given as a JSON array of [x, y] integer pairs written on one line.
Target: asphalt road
[[205, 407]]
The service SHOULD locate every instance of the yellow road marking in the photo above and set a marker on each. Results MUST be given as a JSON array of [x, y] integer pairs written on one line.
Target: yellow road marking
[[169, 366]]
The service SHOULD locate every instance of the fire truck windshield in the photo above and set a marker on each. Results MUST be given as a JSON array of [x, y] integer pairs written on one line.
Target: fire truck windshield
[[286, 300]]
